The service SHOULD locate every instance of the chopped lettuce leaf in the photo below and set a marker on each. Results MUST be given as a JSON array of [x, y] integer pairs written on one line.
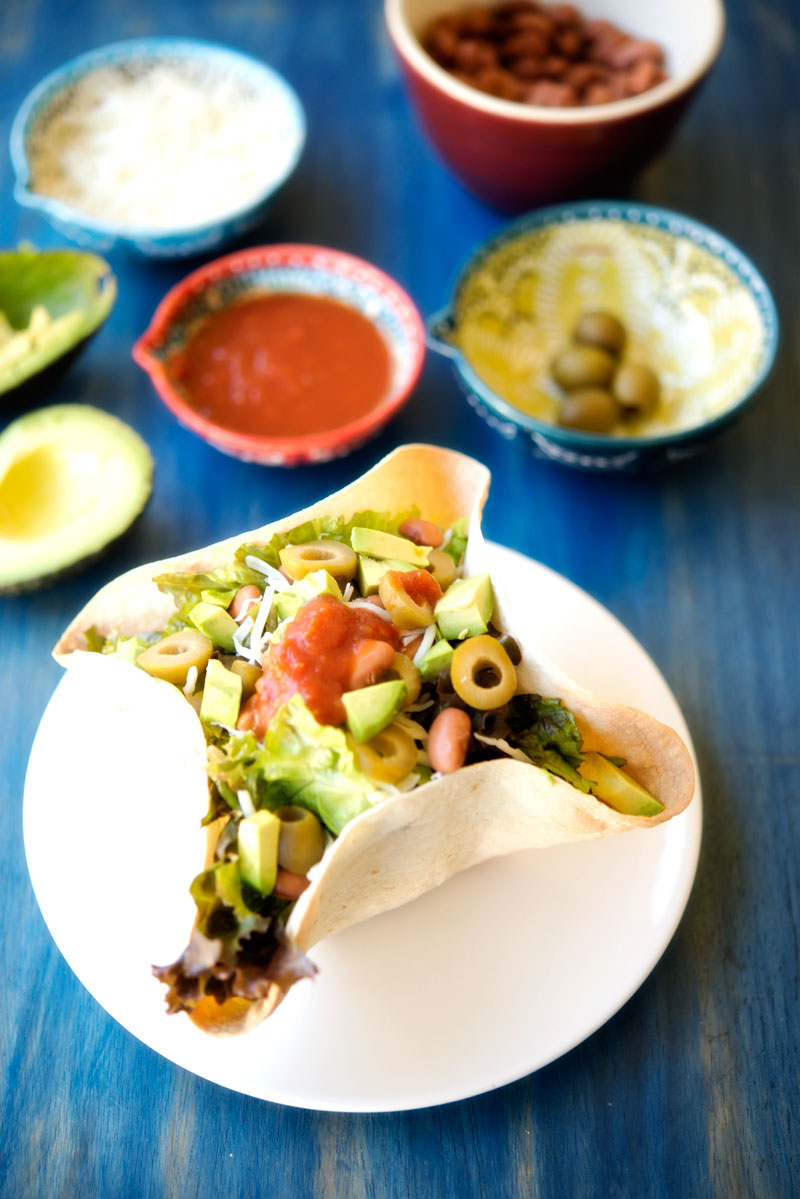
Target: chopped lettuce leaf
[[546, 731], [457, 542], [301, 762], [335, 528]]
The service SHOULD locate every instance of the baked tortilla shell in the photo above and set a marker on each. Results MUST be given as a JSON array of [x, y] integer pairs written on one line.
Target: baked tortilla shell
[[414, 841]]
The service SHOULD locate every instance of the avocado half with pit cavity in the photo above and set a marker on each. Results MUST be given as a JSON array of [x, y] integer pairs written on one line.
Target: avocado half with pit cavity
[[72, 480], [51, 303]]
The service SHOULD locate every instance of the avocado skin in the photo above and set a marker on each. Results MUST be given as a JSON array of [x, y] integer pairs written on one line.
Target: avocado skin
[[50, 578], [49, 575], [63, 280]]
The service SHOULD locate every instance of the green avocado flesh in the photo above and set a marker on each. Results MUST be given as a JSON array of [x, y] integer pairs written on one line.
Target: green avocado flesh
[[72, 480], [51, 302], [618, 789]]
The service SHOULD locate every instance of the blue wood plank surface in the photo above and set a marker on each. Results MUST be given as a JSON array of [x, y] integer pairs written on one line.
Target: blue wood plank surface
[[692, 1089]]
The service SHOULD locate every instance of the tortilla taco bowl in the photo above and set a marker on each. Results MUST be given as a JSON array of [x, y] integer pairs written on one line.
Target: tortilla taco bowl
[[526, 774]]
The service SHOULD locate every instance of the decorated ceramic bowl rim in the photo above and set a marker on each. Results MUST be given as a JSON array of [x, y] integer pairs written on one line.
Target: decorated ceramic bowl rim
[[141, 49], [632, 213], [308, 446], [410, 49]]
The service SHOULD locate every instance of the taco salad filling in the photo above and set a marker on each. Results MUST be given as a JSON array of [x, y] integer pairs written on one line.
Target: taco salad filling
[[340, 663]]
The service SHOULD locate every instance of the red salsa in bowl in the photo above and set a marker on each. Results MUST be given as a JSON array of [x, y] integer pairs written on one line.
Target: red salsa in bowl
[[284, 364], [284, 354]]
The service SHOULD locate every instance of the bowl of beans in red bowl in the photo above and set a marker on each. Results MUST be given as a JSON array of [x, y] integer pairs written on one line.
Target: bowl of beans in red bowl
[[286, 354], [528, 102]]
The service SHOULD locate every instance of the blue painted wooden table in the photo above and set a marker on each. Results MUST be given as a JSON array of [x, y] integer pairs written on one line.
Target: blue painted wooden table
[[692, 1089]]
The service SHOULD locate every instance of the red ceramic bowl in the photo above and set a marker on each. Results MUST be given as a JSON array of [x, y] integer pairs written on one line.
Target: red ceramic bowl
[[308, 270], [515, 155]]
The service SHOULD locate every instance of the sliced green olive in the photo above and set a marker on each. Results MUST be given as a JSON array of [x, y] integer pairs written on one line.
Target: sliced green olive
[[583, 366], [482, 673], [173, 657], [591, 408], [334, 556], [301, 842], [443, 568], [249, 674], [403, 668], [388, 757], [637, 389], [601, 329], [405, 612]]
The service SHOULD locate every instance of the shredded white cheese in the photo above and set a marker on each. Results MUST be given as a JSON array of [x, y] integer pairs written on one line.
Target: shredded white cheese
[[428, 638], [246, 803], [362, 603], [191, 682], [260, 623], [274, 577], [164, 144]]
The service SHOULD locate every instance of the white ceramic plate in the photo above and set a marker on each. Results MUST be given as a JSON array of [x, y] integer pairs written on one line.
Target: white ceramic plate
[[476, 984]]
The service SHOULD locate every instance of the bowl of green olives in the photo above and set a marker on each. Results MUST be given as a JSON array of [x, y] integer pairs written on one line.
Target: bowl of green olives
[[613, 336]]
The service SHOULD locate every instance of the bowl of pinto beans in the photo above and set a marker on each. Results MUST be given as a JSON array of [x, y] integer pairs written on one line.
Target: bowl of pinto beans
[[527, 102]]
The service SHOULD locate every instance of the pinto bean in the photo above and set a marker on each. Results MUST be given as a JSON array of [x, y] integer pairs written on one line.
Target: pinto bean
[[448, 739], [518, 49], [553, 94], [244, 597], [372, 659], [422, 532], [288, 885]]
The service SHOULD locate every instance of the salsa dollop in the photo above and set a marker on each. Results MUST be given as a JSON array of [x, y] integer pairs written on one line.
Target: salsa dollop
[[330, 647]]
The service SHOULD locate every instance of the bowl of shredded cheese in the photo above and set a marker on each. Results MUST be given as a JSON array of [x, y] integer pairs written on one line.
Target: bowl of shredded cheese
[[165, 146]]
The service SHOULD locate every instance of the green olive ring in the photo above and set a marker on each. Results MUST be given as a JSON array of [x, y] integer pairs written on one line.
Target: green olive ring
[[403, 668], [334, 556], [249, 673], [388, 757], [173, 657], [443, 568], [405, 612], [301, 842], [482, 673]]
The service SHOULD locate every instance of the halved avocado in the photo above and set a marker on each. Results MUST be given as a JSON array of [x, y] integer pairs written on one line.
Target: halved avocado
[[51, 303], [72, 480]]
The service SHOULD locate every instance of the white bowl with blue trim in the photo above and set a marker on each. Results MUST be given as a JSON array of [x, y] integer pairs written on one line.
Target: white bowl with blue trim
[[696, 310], [176, 239]]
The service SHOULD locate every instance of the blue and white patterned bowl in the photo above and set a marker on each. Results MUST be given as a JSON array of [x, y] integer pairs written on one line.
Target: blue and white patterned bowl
[[137, 55], [695, 308]]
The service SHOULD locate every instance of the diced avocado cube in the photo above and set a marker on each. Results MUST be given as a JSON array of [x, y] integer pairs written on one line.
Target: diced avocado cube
[[316, 582], [618, 789], [466, 608], [129, 648], [216, 623], [258, 849], [222, 695], [387, 545], [370, 709], [287, 604], [437, 659], [371, 571], [217, 599]]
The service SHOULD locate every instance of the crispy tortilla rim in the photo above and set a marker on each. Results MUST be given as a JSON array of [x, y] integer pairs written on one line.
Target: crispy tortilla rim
[[413, 841]]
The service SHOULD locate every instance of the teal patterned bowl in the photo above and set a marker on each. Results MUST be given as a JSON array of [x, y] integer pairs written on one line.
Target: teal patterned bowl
[[695, 308], [200, 64]]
